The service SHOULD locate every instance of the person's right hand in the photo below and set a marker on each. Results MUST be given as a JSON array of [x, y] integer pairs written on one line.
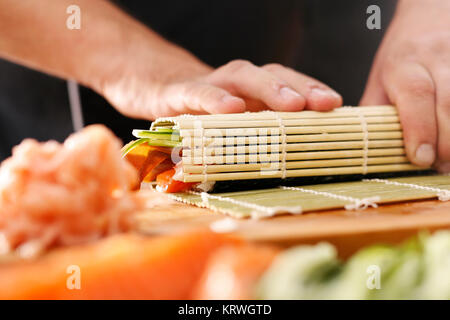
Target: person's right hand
[[139, 72], [198, 89]]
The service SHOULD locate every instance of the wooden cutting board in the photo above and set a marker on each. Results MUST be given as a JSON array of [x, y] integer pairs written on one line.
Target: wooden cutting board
[[347, 230]]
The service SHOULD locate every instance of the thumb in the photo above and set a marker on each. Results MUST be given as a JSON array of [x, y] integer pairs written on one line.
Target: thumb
[[412, 89]]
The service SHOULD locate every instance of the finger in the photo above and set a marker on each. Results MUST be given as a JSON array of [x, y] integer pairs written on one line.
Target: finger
[[374, 93], [318, 96], [442, 79], [253, 105], [249, 81], [411, 88], [198, 98]]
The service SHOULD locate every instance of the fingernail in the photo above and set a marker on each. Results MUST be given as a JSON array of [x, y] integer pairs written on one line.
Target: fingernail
[[444, 167], [228, 98], [288, 94], [425, 155], [231, 104], [320, 93]]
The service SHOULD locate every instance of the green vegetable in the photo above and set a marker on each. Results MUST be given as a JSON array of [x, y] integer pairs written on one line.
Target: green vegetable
[[300, 273], [436, 273], [131, 145], [160, 134], [418, 269], [358, 278], [160, 137], [399, 280]]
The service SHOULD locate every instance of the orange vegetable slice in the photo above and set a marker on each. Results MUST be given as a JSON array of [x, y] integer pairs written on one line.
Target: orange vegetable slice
[[126, 266], [150, 160], [167, 184], [232, 272]]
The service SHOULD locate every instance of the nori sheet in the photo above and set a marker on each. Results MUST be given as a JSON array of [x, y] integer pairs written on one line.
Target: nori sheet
[[254, 184]]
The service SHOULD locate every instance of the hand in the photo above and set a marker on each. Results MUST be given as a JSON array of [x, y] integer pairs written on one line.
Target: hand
[[139, 72], [412, 71], [235, 87]]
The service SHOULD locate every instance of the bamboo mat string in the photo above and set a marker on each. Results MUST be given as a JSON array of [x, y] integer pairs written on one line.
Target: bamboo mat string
[[365, 131], [260, 211], [203, 146], [206, 197], [442, 194], [356, 203], [283, 145]]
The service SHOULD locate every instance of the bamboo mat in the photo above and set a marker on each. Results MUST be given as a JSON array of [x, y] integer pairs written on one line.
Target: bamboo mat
[[348, 230], [262, 145], [404, 207], [300, 199]]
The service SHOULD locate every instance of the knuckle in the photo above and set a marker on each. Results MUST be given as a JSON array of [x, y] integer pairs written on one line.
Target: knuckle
[[438, 43], [419, 86], [238, 65], [273, 67], [190, 89], [205, 92], [311, 84], [194, 93], [211, 92]]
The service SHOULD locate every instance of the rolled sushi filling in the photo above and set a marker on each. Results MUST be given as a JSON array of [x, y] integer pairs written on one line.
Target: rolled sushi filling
[[156, 154]]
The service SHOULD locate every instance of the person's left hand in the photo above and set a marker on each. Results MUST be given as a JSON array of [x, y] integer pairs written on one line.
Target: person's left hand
[[412, 71]]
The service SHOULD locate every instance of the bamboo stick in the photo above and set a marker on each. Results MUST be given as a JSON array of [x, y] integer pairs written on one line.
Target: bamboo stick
[[219, 123], [293, 164], [288, 130], [344, 112], [302, 155], [270, 148], [321, 137], [261, 174]]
